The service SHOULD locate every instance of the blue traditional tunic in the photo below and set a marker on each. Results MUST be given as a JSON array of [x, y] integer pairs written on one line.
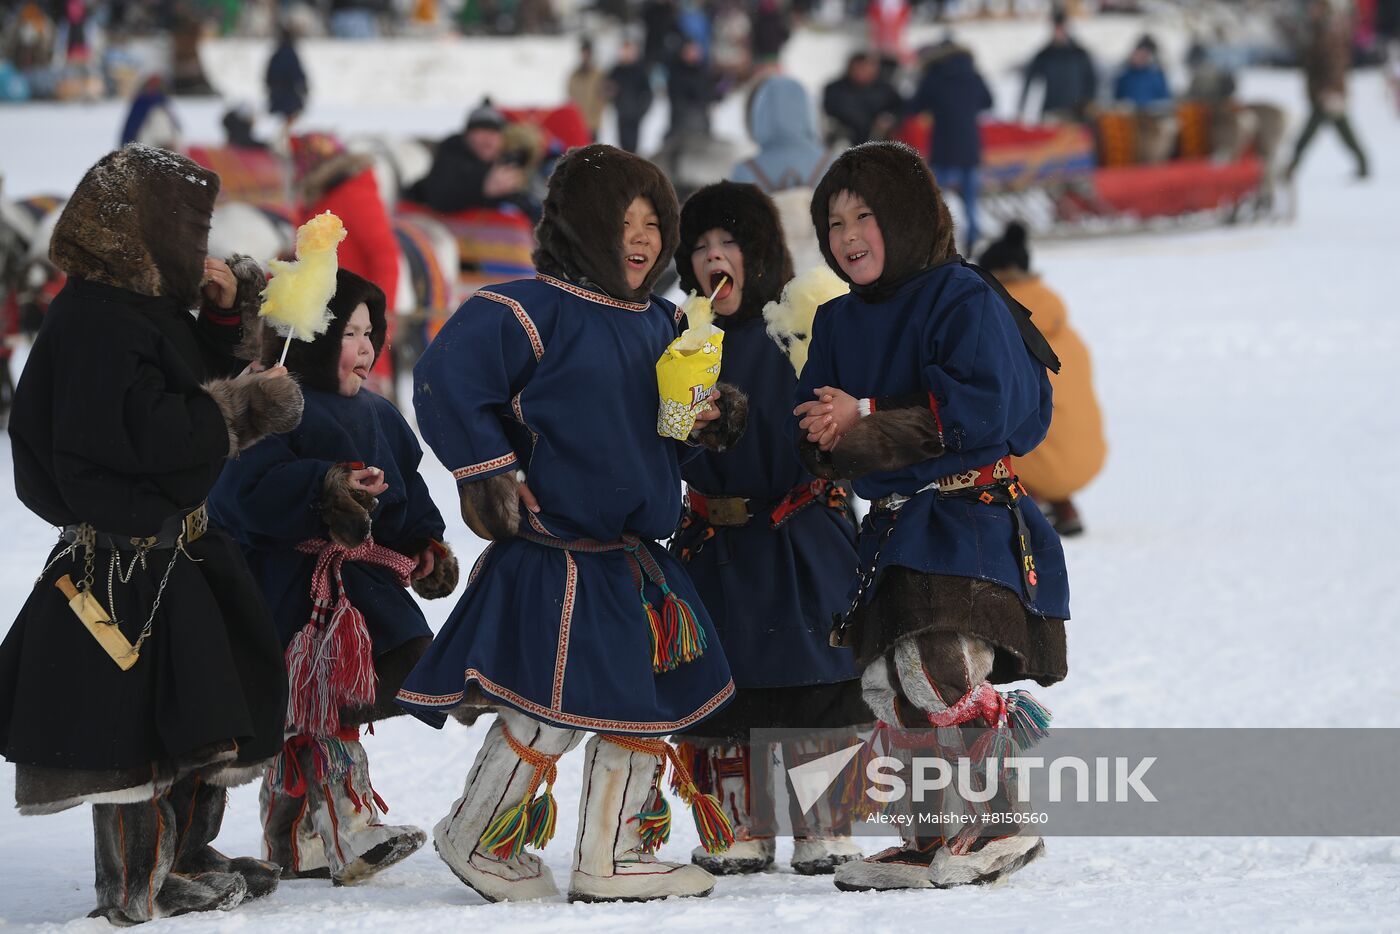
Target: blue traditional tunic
[[772, 592], [946, 333], [268, 499], [548, 377]]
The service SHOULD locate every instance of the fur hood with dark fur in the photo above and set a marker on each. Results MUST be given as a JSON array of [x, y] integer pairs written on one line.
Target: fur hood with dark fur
[[580, 233], [915, 223], [751, 218], [317, 364], [139, 220]]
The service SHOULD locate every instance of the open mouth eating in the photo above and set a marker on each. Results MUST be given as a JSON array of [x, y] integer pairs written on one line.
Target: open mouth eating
[[721, 285]]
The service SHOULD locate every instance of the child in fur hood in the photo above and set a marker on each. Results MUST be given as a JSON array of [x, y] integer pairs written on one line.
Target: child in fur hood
[[303, 504], [921, 385], [541, 397], [769, 546], [127, 411]]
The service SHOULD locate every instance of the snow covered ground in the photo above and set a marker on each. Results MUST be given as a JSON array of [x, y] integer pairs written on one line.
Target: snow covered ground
[[1237, 571]]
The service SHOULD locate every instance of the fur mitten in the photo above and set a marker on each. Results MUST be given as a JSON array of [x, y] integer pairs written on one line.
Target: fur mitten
[[255, 406], [887, 441], [247, 302], [817, 461], [724, 432], [491, 507], [442, 580], [346, 507]]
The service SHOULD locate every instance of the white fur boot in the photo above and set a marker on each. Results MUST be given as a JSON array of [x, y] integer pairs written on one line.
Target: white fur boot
[[498, 782], [729, 769], [819, 856], [899, 867], [344, 813], [610, 862], [996, 860]]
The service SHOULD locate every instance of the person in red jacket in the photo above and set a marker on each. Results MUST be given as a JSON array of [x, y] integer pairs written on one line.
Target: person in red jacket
[[331, 179]]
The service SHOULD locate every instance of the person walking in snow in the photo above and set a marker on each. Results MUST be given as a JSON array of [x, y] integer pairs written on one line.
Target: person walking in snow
[[541, 396], [769, 546], [1326, 60], [921, 385], [302, 505]]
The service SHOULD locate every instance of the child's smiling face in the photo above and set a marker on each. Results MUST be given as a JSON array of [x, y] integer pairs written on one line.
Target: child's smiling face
[[641, 241], [854, 238], [716, 257]]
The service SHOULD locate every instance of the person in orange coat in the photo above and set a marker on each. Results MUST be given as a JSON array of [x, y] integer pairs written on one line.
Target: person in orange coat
[[1073, 452], [331, 179]]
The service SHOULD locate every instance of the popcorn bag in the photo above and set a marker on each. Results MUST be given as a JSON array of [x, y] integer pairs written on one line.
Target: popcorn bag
[[688, 370], [685, 375]]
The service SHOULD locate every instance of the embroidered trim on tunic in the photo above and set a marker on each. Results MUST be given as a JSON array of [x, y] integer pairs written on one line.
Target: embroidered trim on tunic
[[567, 719], [532, 332], [495, 463], [480, 560], [566, 621], [591, 296]]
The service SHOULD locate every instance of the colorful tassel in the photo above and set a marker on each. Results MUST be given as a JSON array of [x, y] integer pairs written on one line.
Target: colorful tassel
[[532, 821], [716, 833], [1029, 718], [544, 812], [505, 838], [654, 823], [688, 639]]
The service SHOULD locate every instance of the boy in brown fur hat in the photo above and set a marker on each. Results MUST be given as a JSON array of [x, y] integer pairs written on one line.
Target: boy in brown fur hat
[[962, 582], [541, 396]]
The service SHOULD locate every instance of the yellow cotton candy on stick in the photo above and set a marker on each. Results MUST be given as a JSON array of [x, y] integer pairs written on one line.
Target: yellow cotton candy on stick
[[689, 368], [295, 299], [789, 319]]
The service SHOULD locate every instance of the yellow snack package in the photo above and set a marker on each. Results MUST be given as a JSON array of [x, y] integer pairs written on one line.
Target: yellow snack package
[[688, 370]]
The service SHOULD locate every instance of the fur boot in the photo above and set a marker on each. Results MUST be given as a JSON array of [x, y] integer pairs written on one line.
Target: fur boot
[[343, 810], [289, 840], [134, 847], [254, 407], [729, 768], [199, 813], [609, 861], [989, 862], [898, 867], [498, 781], [821, 839]]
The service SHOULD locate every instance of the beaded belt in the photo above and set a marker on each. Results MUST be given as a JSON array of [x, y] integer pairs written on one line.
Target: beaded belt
[[954, 482]]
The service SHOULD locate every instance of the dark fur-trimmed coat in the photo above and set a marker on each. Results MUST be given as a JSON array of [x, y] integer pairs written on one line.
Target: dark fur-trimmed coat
[[114, 424]]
